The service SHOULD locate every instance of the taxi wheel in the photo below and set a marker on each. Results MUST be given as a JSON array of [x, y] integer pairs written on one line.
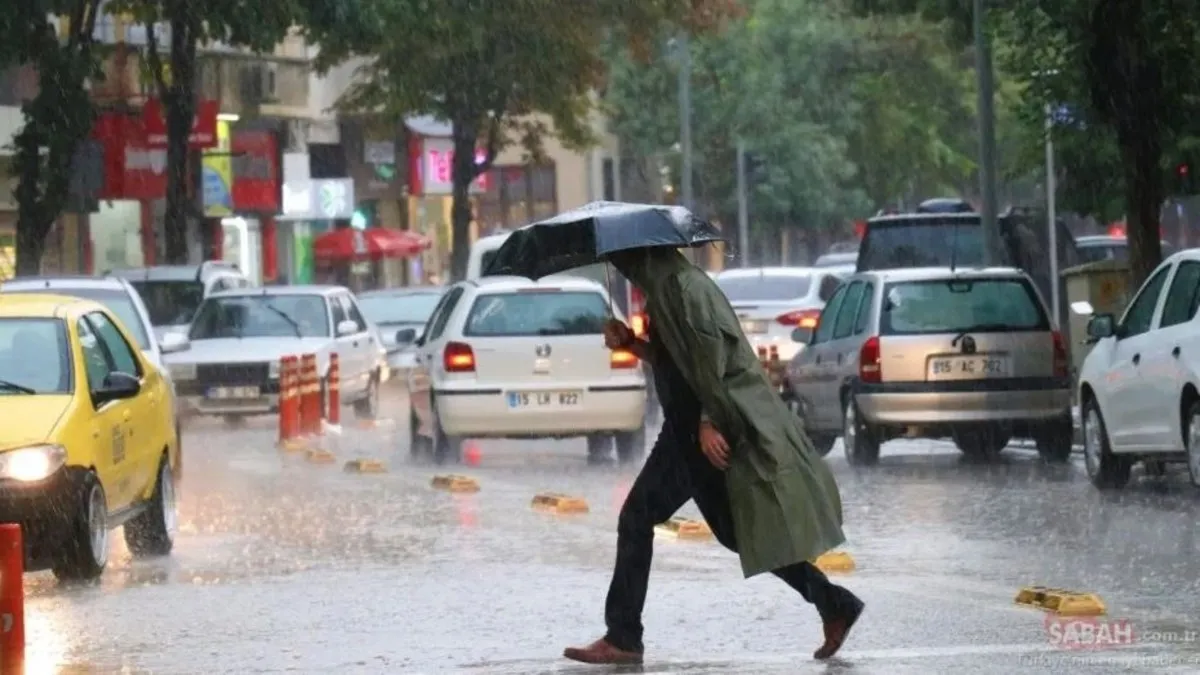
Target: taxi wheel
[[631, 446], [367, 408], [152, 533], [85, 551]]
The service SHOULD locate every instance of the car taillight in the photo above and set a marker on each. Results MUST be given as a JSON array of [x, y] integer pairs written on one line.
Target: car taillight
[[1061, 368], [458, 357], [868, 361], [622, 358], [801, 318]]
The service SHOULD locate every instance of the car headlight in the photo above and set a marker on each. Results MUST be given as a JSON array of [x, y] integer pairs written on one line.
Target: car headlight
[[182, 371], [32, 463]]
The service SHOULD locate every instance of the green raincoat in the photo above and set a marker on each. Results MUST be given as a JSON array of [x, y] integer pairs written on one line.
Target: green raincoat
[[785, 502]]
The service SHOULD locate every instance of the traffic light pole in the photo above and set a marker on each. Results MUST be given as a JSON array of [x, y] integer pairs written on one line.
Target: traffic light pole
[[987, 137]]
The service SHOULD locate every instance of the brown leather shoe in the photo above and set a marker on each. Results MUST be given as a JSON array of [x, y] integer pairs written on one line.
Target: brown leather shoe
[[603, 652], [836, 631]]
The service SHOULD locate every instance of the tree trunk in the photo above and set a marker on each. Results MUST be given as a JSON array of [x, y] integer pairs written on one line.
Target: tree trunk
[[466, 137], [1141, 155], [180, 111]]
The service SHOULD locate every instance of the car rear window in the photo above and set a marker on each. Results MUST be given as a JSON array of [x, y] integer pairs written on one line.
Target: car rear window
[[528, 313], [765, 287], [952, 306]]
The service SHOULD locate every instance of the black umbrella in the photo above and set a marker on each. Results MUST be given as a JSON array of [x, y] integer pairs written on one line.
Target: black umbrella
[[583, 236]]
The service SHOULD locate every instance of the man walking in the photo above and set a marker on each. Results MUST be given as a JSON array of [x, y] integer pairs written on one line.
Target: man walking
[[746, 463]]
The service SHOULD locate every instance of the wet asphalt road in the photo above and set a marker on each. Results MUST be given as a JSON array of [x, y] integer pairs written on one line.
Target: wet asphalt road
[[285, 566]]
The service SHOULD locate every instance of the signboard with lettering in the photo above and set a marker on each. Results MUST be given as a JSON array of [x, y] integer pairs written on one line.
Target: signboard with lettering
[[204, 124], [435, 168], [321, 199], [255, 171]]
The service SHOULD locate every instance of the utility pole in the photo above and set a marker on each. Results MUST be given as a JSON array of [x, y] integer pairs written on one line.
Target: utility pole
[[685, 120], [1052, 213], [743, 206], [987, 137]]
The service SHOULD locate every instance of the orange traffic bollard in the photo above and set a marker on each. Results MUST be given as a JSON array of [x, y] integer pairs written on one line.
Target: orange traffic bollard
[[333, 412], [289, 398], [310, 391], [12, 599]]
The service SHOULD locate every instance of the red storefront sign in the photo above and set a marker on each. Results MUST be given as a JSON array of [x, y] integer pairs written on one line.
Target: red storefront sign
[[132, 169], [204, 124], [431, 167], [255, 171]]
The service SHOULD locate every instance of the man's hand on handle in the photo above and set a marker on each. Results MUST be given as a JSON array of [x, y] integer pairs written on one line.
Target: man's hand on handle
[[617, 335], [713, 444]]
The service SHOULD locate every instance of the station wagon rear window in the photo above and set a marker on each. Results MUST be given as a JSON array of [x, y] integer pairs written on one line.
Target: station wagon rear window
[[531, 313], [956, 305]]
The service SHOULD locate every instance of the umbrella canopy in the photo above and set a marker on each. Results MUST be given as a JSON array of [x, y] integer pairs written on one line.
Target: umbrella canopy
[[348, 244], [583, 236]]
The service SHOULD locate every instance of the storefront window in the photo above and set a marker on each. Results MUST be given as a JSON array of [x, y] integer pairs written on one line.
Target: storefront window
[[518, 195]]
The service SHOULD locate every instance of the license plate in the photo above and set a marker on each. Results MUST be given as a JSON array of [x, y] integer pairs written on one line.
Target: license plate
[[543, 399], [967, 367], [234, 392], [754, 327]]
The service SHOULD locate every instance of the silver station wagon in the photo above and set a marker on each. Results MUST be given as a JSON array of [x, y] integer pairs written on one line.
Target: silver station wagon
[[969, 355]]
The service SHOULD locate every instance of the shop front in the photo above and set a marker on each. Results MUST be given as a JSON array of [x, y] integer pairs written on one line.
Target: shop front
[[241, 186], [374, 150], [310, 209]]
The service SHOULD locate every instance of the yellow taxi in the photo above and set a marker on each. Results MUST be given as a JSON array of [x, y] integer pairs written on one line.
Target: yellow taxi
[[87, 436]]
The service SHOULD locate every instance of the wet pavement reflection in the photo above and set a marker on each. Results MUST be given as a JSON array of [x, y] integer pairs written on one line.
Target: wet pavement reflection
[[287, 566]]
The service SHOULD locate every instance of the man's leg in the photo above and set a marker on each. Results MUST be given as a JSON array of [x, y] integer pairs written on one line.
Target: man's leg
[[836, 605], [657, 493]]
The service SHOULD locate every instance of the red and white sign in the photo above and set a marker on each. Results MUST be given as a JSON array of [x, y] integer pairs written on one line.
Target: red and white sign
[[1088, 632], [145, 171], [132, 169], [255, 172], [433, 161], [204, 124]]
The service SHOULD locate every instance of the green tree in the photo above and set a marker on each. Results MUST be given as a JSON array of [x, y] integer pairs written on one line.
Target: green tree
[[173, 62], [58, 118], [485, 67]]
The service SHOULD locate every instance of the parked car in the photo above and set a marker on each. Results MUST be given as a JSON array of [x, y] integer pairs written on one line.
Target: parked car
[[1138, 385], [89, 442], [505, 357], [173, 293], [1097, 247], [773, 301], [933, 353], [238, 338], [395, 311]]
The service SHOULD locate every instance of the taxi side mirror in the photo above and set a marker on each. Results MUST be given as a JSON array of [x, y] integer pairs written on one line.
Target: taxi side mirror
[[116, 386]]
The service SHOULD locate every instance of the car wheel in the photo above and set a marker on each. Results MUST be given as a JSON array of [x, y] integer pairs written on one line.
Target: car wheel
[[153, 531], [367, 408], [419, 447], [983, 442], [85, 552], [446, 448], [631, 446], [1104, 469], [1192, 437], [1055, 442], [860, 440], [599, 448]]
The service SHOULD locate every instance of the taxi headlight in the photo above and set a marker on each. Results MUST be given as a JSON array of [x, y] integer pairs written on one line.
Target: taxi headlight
[[32, 463], [182, 371]]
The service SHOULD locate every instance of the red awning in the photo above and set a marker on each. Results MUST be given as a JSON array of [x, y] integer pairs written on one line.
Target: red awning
[[348, 243]]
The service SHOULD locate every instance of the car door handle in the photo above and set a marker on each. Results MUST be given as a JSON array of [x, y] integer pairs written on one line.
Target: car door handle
[[1137, 358], [1175, 352]]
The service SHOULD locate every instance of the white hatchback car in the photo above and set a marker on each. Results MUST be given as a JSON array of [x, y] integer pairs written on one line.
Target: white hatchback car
[[504, 357], [1139, 387]]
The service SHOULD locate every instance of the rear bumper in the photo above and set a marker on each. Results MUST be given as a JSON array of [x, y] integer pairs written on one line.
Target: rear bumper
[[199, 406], [1014, 400], [484, 412]]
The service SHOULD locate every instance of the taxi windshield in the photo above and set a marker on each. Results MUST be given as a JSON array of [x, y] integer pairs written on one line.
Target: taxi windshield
[[246, 316], [34, 358]]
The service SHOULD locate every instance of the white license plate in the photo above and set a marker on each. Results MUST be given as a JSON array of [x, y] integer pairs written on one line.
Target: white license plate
[[754, 327], [224, 393], [543, 399], [967, 367]]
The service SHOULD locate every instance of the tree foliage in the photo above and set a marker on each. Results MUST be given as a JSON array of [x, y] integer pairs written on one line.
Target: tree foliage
[[842, 114], [494, 70], [58, 118]]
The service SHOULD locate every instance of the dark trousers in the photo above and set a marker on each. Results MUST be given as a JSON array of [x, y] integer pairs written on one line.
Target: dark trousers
[[672, 475]]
